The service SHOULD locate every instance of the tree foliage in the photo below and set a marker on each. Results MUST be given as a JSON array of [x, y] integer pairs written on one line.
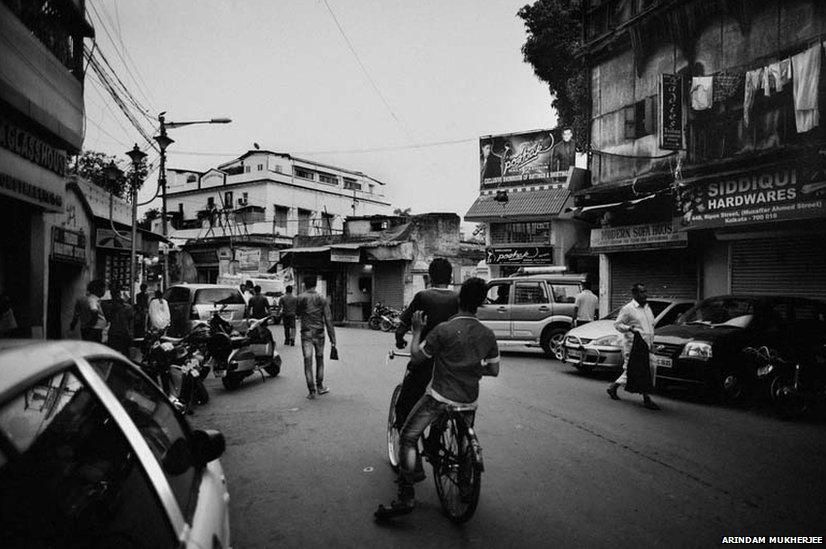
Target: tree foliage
[[552, 48], [149, 216], [402, 212], [91, 165]]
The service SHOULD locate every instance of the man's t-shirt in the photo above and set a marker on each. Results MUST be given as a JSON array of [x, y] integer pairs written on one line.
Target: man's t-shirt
[[288, 304], [90, 313], [258, 305], [438, 304], [460, 347], [586, 304]]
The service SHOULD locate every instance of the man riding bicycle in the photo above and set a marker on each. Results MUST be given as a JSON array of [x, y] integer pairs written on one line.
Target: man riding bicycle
[[438, 303], [462, 351]]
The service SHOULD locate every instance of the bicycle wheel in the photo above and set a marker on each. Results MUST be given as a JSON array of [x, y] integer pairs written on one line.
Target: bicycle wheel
[[457, 475], [392, 431]]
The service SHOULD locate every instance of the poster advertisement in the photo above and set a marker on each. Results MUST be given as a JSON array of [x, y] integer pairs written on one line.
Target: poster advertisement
[[671, 112], [520, 158], [770, 195], [533, 255]]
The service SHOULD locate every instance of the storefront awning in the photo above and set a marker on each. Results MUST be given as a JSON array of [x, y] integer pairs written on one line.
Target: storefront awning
[[601, 207], [539, 203]]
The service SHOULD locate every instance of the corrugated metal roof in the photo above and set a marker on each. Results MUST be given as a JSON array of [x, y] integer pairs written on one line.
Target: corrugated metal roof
[[528, 203]]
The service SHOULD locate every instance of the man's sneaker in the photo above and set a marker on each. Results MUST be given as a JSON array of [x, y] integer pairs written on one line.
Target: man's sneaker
[[397, 508], [311, 396], [322, 390]]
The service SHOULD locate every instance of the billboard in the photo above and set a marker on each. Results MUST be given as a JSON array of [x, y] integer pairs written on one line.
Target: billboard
[[523, 158]]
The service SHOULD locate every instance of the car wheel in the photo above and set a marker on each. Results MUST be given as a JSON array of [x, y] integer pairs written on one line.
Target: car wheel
[[231, 381], [552, 340], [731, 386]]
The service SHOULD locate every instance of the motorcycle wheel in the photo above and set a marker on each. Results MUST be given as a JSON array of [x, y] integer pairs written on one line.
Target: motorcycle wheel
[[231, 381], [788, 403], [275, 367], [386, 326], [374, 323]]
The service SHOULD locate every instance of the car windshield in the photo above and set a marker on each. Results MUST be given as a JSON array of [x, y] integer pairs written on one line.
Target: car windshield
[[656, 305], [726, 311], [220, 296]]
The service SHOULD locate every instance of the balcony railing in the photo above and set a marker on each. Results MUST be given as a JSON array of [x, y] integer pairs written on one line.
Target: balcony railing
[[520, 233]]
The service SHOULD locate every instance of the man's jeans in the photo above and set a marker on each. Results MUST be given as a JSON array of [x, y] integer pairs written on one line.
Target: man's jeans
[[289, 328], [415, 383], [423, 414], [312, 343]]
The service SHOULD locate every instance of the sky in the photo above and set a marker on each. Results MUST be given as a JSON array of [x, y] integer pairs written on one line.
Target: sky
[[423, 72]]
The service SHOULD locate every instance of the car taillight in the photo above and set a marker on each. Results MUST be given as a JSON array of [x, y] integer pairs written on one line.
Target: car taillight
[[193, 314]]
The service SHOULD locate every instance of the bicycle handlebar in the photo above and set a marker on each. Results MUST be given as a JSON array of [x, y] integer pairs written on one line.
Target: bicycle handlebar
[[394, 353]]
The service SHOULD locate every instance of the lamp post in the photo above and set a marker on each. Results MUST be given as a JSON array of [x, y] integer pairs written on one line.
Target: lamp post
[[137, 156], [165, 141]]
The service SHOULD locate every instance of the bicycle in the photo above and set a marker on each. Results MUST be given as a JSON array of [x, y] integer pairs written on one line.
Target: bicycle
[[452, 448]]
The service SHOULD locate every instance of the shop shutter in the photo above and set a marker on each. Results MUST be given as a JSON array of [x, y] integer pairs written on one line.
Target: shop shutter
[[388, 283], [665, 273], [783, 266]]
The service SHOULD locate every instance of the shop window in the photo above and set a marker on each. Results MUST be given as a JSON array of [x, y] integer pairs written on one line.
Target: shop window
[[530, 232]]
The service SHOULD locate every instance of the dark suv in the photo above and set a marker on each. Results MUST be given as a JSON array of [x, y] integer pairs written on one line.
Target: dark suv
[[706, 344]]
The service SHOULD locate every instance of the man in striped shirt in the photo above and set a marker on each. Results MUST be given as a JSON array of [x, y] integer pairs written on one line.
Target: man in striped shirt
[[463, 350]]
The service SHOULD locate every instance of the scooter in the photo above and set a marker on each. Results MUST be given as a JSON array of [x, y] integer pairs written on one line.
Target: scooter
[[793, 386], [235, 357]]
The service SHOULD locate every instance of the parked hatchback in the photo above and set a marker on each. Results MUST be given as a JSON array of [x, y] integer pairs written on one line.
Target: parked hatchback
[[597, 345], [534, 310], [190, 304], [706, 346], [93, 454]]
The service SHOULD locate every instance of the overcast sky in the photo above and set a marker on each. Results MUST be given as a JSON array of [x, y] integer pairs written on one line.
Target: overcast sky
[[447, 71]]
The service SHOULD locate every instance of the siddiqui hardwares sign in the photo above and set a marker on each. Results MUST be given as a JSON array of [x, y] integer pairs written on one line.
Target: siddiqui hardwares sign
[[769, 195]]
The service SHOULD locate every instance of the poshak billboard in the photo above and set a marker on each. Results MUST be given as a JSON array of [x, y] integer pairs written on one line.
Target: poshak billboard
[[517, 158], [764, 196]]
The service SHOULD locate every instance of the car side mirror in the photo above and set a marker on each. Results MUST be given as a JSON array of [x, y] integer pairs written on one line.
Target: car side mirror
[[207, 445]]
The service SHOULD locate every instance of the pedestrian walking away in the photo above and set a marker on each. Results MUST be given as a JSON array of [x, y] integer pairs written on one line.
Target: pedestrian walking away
[[462, 350], [314, 312], [288, 306], [257, 306], [159, 316], [89, 313], [636, 322], [141, 311], [121, 323], [438, 304], [585, 305]]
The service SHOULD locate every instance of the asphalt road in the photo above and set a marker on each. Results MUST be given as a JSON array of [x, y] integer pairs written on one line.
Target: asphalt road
[[565, 465]]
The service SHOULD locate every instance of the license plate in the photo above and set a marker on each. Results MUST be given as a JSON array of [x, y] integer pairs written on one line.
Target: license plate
[[574, 355], [660, 361]]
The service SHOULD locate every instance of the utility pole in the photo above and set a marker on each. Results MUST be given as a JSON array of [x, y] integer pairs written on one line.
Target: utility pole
[[137, 156]]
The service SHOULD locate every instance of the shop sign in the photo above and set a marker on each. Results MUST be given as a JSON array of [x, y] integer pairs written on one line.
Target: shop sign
[[24, 143], [248, 258], [653, 235], [343, 255], [68, 245], [766, 196], [107, 238], [29, 192], [533, 255], [671, 112]]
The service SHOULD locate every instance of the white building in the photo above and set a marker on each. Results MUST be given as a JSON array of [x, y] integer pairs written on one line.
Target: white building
[[235, 218]]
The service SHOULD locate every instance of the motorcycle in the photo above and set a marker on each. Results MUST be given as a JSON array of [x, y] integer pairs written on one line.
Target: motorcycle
[[391, 320], [235, 357], [793, 386], [177, 366], [376, 317]]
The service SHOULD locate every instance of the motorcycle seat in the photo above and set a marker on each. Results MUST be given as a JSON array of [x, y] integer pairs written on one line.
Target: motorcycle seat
[[238, 342]]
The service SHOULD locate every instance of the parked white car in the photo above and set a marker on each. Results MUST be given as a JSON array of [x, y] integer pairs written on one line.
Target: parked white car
[[597, 345], [93, 454]]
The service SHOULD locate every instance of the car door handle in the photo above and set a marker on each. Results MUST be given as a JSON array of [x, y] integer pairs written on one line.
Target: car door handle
[[544, 308], [502, 309]]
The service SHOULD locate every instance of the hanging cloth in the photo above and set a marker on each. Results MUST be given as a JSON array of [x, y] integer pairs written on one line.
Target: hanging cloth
[[776, 75], [806, 67], [701, 92], [727, 86], [753, 80]]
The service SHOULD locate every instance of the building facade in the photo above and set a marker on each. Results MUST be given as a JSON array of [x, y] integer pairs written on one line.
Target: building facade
[[236, 217], [706, 166], [41, 124], [381, 259]]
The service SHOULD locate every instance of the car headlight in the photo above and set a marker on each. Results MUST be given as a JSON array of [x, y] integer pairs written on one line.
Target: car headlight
[[609, 341], [697, 349]]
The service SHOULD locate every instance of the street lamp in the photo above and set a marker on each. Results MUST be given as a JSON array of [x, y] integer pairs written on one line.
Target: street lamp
[[137, 157], [165, 141]]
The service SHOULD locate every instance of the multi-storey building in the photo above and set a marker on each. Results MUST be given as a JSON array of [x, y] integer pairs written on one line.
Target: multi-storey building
[[41, 123], [707, 147], [235, 218]]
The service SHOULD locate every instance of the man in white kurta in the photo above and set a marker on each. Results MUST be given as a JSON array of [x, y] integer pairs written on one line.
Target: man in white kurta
[[634, 317]]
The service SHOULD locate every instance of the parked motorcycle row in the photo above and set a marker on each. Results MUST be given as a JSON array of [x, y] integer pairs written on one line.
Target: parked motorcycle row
[[179, 365], [383, 318]]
